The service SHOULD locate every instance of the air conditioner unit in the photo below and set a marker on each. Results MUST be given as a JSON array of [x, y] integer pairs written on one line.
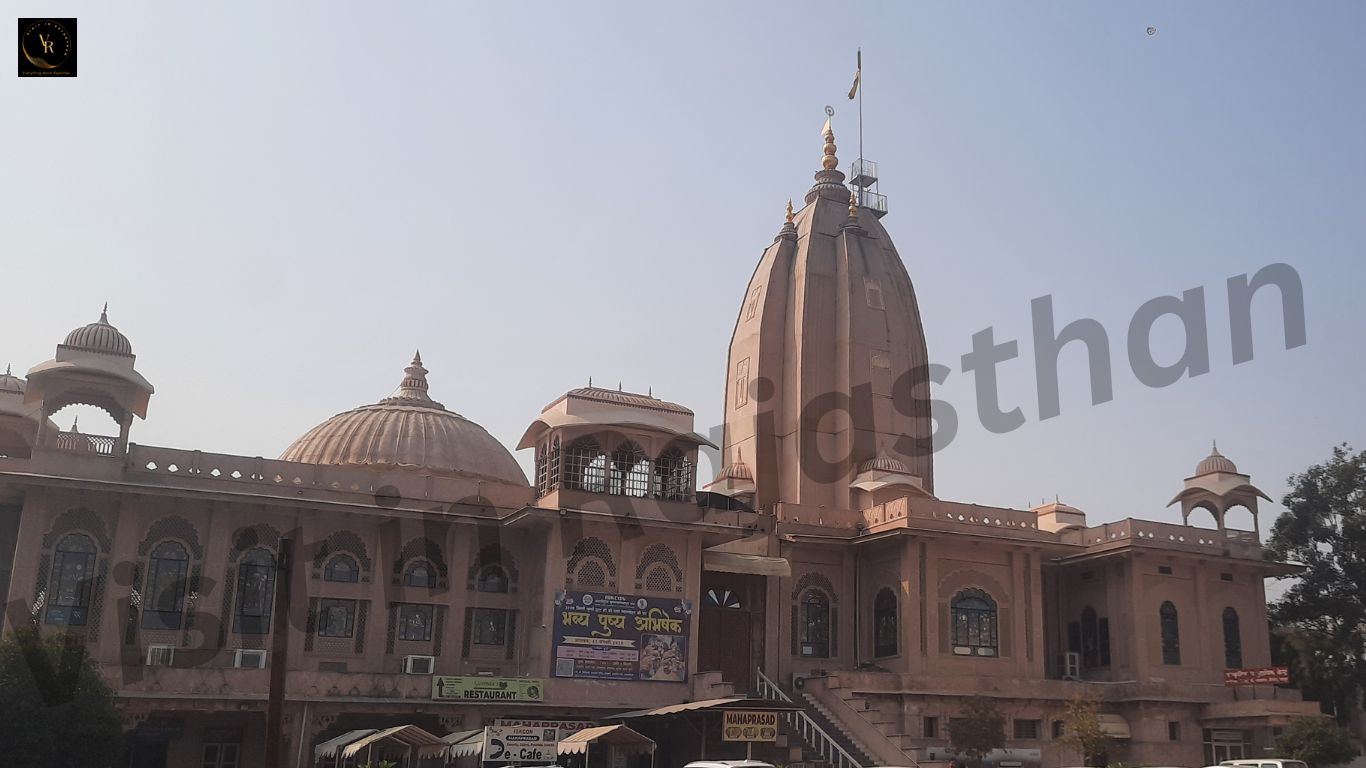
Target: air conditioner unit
[[249, 658], [1071, 666], [160, 655], [799, 680], [418, 665]]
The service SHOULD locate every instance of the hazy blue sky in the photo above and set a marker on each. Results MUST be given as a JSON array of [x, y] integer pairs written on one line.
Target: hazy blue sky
[[280, 201]]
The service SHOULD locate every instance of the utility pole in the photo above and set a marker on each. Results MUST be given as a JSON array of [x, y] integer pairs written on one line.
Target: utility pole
[[279, 650]]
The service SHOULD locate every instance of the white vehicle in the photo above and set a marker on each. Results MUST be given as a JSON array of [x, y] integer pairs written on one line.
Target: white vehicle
[[728, 764], [1270, 762]]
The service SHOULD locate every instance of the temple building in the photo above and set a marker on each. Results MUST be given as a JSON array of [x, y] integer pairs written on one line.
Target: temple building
[[432, 584]]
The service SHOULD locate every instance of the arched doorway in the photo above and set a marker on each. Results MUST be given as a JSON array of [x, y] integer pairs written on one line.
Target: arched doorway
[[729, 636]]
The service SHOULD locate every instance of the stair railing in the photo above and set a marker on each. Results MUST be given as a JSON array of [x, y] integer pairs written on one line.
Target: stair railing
[[809, 729]]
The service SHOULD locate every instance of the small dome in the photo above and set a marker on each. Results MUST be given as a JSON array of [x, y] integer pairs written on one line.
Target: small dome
[[407, 431], [11, 383], [1215, 462], [100, 336], [736, 470], [884, 463]]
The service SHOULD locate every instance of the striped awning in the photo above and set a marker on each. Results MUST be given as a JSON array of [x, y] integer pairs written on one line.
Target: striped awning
[[408, 736], [328, 749]]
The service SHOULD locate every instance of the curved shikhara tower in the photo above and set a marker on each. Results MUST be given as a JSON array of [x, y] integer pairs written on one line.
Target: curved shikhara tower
[[827, 397]]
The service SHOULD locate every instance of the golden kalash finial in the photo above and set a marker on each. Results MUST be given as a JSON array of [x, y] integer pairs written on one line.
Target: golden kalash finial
[[790, 216], [829, 162], [853, 204]]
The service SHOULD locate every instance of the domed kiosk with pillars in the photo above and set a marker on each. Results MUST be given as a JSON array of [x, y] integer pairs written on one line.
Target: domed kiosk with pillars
[[1216, 487]]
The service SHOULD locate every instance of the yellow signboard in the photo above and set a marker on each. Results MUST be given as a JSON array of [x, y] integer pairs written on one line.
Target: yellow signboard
[[743, 725], [449, 688]]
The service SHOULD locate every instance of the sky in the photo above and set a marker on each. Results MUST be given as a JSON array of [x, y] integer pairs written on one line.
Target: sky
[[281, 201]]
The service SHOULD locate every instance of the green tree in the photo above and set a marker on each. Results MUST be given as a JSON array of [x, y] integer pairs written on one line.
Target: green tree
[[56, 710], [1082, 730], [1319, 621], [1315, 740], [980, 729]]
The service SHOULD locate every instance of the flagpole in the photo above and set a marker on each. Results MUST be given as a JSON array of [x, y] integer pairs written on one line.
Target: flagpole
[[860, 116]]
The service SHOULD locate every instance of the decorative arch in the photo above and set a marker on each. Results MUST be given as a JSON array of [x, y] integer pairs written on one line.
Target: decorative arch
[[342, 542], [172, 527], [675, 478], [249, 537], [492, 556], [585, 466], [815, 618], [591, 565], [814, 579], [78, 519], [630, 471], [421, 548], [658, 570], [974, 624]]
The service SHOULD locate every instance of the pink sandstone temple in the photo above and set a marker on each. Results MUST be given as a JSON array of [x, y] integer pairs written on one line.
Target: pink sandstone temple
[[435, 589]]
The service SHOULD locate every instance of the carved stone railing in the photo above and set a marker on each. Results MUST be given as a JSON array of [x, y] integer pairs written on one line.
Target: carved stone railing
[[1170, 535], [78, 442]]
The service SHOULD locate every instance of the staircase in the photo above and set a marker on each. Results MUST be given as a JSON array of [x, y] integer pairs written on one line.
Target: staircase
[[822, 732]]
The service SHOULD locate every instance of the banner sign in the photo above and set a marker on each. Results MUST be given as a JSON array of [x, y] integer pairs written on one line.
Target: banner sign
[[563, 728], [517, 744], [1257, 676], [449, 688], [601, 636], [740, 725]]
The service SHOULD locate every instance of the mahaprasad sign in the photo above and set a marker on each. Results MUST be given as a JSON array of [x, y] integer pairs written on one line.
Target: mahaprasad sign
[[744, 725], [449, 688], [600, 636]]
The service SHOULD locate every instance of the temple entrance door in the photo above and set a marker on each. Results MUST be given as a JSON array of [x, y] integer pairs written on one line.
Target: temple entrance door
[[730, 630]]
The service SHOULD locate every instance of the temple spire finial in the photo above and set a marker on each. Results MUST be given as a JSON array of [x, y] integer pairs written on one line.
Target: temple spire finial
[[790, 216], [104, 314], [789, 229], [829, 179], [829, 161], [417, 357]]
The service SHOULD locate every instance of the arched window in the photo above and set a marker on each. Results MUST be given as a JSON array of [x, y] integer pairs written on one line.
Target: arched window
[[1233, 640], [884, 623], [814, 624], [591, 565], [73, 575], [255, 592], [492, 578], [674, 476], [420, 573], [342, 568], [630, 474], [1171, 634], [585, 466], [548, 466], [974, 624], [162, 608]]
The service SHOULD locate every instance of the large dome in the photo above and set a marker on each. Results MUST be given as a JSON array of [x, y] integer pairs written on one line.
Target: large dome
[[100, 336], [408, 431]]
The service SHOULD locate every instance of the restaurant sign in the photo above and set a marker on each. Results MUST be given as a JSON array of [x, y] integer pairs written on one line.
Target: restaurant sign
[[450, 688], [600, 636], [1257, 676], [743, 725]]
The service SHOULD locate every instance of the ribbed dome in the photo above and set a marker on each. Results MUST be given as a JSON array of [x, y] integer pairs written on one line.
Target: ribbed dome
[[736, 470], [407, 431], [1215, 462], [100, 336], [884, 463], [11, 383]]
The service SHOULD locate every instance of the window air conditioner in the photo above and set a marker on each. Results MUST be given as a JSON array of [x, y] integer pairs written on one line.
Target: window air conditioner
[[160, 655], [418, 665], [249, 658]]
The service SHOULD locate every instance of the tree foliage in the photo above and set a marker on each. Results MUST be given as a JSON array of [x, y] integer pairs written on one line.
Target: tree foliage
[[1317, 741], [1320, 619], [1082, 730], [980, 729], [55, 710]]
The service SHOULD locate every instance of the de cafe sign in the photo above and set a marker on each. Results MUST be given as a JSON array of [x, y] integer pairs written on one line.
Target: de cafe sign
[[521, 743]]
